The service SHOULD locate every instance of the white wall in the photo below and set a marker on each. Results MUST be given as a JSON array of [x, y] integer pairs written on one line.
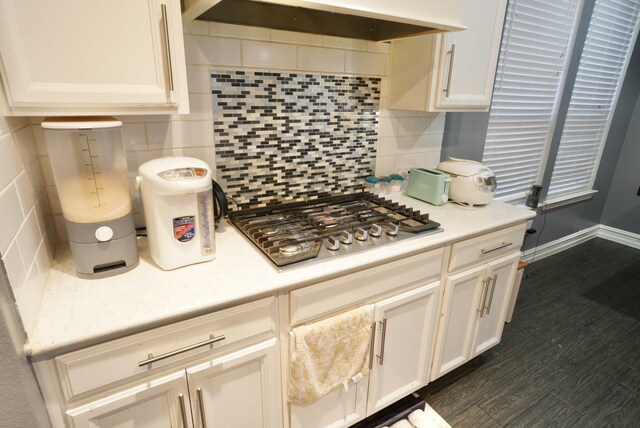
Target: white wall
[[27, 233]]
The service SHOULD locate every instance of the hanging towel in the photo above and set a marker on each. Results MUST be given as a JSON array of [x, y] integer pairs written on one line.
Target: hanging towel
[[329, 354]]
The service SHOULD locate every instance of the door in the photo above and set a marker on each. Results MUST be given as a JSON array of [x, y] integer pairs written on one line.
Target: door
[[460, 305], [468, 58], [405, 334], [500, 278], [158, 403], [238, 390], [90, 53]]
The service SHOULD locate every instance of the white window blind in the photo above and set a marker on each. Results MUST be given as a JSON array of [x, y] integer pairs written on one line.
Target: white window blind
[[610, 38], [536, 38]]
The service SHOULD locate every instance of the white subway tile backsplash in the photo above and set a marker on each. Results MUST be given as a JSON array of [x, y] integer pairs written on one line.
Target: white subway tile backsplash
[[206, 154], [437, 125], [428, 142], [26, 145], [206, 50], [10, 160], [296, 38], [11, 216], [134, 136], [199, 79], [191, 133], [344, 43], [30, 297], [26, 191], [413, 125], [418, 160], [159, 135], [199, 108], [387, 126], [238, 31], [43, 261], [195, 27], [366, 63], [15, 268], [385, 165], [29, 238], [268, 55], [395, 145], [47, 172], [320, 59], [38, 135]]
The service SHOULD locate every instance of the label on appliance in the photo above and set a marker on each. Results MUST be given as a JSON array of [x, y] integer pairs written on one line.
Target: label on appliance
[[184, 228], [207, 226]]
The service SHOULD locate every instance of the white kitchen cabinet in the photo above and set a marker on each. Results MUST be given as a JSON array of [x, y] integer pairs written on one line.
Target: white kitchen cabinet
[[156, 403], [405, 333], [238, 390], [451, 71], [405, 295], [473, 312], [91, 57]]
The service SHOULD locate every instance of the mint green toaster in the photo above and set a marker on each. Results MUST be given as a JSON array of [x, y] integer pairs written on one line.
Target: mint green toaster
[[428, 185]]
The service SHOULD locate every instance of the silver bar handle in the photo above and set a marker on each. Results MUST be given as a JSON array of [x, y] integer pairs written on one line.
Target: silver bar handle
[[485, 286], [201, 408], [382, 340], [499, 247], [452, 52], [212, 339], [183, 411], [493, 289], [167, 45], [372, 344]]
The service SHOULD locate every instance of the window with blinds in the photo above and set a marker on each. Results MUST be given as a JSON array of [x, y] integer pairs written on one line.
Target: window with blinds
[[537, 37], [610, 38]]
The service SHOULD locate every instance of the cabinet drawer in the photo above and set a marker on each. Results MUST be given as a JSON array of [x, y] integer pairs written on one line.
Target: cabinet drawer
[[340, 293], [486, 247], [91, 368]]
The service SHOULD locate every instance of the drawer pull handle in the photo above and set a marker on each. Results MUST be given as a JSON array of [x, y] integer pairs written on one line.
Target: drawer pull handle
[[452, 52], [201, 407], [382, 340], [373, 341], [483, 298], [183, 411], [167, 46], [499, 247], [212, 339], [493, 289]]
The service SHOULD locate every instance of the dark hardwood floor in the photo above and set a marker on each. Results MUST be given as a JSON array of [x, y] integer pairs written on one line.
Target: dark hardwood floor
[[569, 358]]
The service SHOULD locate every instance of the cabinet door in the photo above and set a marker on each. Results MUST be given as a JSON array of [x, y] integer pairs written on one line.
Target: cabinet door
[[238, 390], [91, 53], [500, 278], [158, 403], [405, 333], [460, 308], [468, 58]]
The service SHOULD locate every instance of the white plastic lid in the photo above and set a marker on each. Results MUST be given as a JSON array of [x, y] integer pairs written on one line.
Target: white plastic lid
[[88, 122]]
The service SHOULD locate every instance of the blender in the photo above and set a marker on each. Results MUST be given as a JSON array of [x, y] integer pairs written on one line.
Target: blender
[[90, 171]]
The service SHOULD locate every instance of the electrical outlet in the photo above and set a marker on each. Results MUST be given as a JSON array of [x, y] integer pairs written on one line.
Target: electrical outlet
[[530, 224]]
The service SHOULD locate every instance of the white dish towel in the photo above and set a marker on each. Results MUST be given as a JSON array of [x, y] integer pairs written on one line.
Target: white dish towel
[[329, 354]]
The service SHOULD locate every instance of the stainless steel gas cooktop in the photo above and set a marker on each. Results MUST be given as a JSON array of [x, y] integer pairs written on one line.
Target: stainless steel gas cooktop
[[329, 227]]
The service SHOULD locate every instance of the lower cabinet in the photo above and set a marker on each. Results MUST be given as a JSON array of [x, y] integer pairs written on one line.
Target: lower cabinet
[[238, 390], [402, 347], [156, 403], [473, 312]]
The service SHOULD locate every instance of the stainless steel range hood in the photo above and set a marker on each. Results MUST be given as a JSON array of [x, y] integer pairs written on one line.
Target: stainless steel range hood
[[375, 20]]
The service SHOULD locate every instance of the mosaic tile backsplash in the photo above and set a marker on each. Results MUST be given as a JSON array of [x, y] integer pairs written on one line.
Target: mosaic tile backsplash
[[284, 137]]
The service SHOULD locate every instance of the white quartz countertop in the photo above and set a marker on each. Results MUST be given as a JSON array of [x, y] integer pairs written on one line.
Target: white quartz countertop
[[79, 312]]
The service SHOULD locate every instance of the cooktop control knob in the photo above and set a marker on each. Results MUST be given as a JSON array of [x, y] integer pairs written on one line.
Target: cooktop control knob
[[333, 243], [392, 229], [375, 231], [346, 237], [361, 234]]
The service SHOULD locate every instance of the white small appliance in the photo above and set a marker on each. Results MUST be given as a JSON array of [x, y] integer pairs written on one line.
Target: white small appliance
[[89, 167], [178, 209], [472, 183]]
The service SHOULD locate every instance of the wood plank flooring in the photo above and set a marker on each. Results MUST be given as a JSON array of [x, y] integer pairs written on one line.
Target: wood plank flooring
[[569, 358]]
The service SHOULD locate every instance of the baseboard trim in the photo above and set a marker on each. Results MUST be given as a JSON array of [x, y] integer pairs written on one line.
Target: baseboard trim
[[620, 236], [559, 245]]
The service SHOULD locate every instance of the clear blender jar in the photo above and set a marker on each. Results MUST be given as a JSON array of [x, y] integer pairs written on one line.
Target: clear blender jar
[[90, 171]]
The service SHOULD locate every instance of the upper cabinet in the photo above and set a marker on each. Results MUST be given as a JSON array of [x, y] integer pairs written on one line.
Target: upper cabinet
[[92, 56], [451, 71]]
